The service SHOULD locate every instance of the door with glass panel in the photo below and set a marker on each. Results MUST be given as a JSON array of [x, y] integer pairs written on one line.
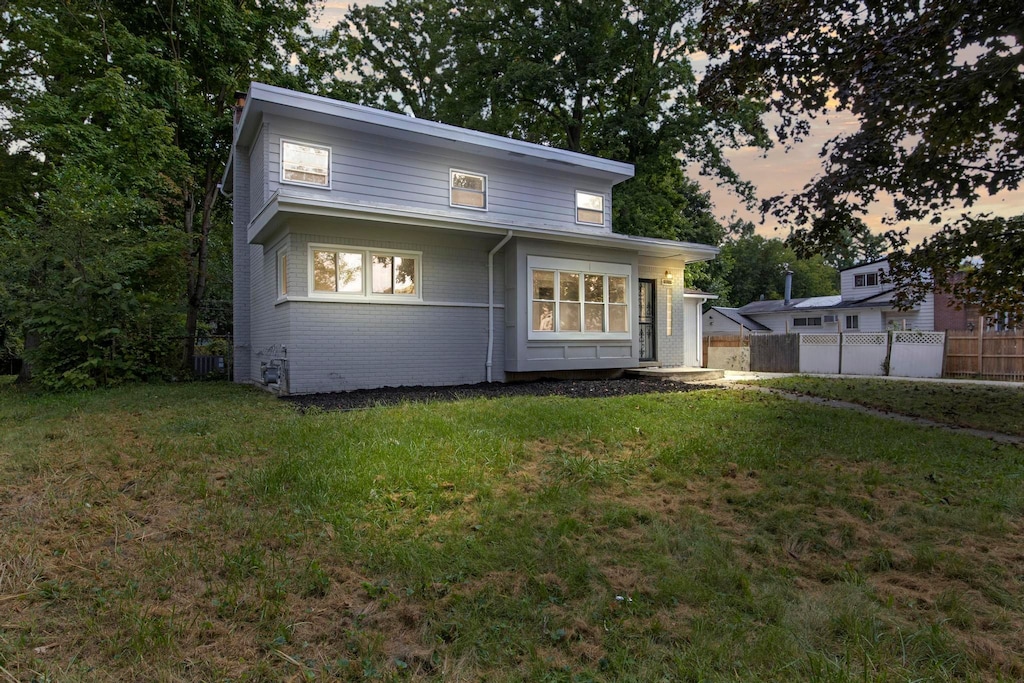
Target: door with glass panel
[[646, 308]]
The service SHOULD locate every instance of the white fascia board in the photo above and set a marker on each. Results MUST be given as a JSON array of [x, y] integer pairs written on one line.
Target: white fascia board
[[270, 218], [616, 171]]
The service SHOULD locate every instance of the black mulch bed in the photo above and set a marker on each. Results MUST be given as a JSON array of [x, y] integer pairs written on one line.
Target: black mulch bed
[[363, 398]]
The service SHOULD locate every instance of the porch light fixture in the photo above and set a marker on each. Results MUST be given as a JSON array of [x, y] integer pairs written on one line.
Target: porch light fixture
[[667, 280]]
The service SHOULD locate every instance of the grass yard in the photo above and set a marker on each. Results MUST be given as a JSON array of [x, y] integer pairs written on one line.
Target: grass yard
[[209, 532], [998, 409]]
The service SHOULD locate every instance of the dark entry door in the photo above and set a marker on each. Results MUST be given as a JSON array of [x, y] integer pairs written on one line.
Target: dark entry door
[[646, 307]]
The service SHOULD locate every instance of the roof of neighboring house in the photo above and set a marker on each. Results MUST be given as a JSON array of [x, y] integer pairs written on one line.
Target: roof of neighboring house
[[734, 315], [866, 263], [880, 300]]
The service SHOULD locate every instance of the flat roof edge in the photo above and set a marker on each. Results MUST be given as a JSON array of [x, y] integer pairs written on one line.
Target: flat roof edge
[[357, 112]]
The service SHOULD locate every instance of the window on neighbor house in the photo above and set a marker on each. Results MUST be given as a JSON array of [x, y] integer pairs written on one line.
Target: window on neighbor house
[[468, 190], [342, 272], [304, 164], [589, 208], [865, 280], [807, 322], [853, 322], [578, 302]]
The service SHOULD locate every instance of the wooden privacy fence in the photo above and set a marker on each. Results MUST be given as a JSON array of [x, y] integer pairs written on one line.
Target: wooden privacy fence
[[988, 355], [775, 352]]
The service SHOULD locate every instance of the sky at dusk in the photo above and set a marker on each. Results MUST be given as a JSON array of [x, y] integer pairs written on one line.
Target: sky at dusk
[[781, 171]]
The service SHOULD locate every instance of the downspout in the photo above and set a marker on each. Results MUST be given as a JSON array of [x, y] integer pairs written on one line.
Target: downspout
[[490, 301]]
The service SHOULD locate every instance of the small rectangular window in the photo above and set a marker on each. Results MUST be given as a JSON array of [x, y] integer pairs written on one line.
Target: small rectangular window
[[282, 274], [807, 322], [304, 164], [589, 208], [468, 190], [853, 322], [865, 280]]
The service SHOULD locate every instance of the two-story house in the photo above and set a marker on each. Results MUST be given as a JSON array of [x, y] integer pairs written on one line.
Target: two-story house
[[863, 305], [375, 249]]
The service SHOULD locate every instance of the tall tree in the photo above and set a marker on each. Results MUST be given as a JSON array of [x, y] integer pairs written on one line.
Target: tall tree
[[936, 86], [755, 267], [185, 58], [613, 78]]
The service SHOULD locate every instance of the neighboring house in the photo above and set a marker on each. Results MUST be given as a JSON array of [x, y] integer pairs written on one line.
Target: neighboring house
[[863, 305], [375, 249]]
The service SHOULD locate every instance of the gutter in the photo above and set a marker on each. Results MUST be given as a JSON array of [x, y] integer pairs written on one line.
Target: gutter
[[490, 301]]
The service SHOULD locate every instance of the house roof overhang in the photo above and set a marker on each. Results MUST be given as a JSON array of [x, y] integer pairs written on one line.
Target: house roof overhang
[[273, 218], [265, 99]]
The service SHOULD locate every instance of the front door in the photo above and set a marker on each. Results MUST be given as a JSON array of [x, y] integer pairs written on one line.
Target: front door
[[646, 307]]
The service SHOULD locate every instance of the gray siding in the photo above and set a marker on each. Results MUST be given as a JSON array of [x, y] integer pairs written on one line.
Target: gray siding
[[375, 171], [270, 323], [343, 345], [852, 293], [258, 174], [241, 265], [525, 355]]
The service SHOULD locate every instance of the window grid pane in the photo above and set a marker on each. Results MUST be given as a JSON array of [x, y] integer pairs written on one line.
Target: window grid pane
[[557, 298]]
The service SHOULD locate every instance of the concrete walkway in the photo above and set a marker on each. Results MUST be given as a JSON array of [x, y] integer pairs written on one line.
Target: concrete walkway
[[733, 379]]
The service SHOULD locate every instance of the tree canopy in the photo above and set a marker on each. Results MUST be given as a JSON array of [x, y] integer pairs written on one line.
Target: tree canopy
[[937, 89], [128, 105], [612, 78]]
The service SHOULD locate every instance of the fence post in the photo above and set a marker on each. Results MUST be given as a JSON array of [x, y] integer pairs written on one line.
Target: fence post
[[981, 345]]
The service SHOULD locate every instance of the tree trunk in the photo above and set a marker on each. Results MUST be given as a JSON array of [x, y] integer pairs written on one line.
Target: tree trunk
[[31, 343], [199, 257]]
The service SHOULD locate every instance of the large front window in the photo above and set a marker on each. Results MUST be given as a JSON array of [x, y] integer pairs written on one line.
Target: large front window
[[352, 272], [578, 299]]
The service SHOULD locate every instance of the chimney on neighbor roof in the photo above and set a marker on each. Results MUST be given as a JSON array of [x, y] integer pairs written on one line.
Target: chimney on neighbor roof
[[789, 284], [240, 96]]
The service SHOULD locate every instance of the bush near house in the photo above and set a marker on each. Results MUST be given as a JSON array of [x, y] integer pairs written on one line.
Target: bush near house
[[201, 532]]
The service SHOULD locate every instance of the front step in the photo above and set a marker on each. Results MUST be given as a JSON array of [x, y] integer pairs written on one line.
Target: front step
[[678, 374]]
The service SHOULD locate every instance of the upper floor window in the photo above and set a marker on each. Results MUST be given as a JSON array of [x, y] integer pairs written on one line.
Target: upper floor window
[[354, 272], [865, 280], [589, 208], [468, 189], [304, 164]]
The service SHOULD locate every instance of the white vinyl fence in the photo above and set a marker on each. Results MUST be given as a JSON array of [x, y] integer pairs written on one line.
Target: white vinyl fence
[[863, 353], [819, 353], [909, 354], [917, 354]]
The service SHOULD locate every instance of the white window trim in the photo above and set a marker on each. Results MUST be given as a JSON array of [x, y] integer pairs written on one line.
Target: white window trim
[[487, 190], [330, 164], [586, 268], [576, 208], [847, 321], [367, 295], [282, 274], [866, 276]]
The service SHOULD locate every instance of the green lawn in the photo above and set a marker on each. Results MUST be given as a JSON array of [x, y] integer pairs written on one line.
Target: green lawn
[[993, 408], [209, 532]]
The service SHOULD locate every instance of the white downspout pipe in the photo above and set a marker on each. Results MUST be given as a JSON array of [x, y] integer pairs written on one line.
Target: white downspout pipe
[[490, 301]]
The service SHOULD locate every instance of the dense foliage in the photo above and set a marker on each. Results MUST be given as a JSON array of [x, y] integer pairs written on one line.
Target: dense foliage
[[118, 125], [937, 88]]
